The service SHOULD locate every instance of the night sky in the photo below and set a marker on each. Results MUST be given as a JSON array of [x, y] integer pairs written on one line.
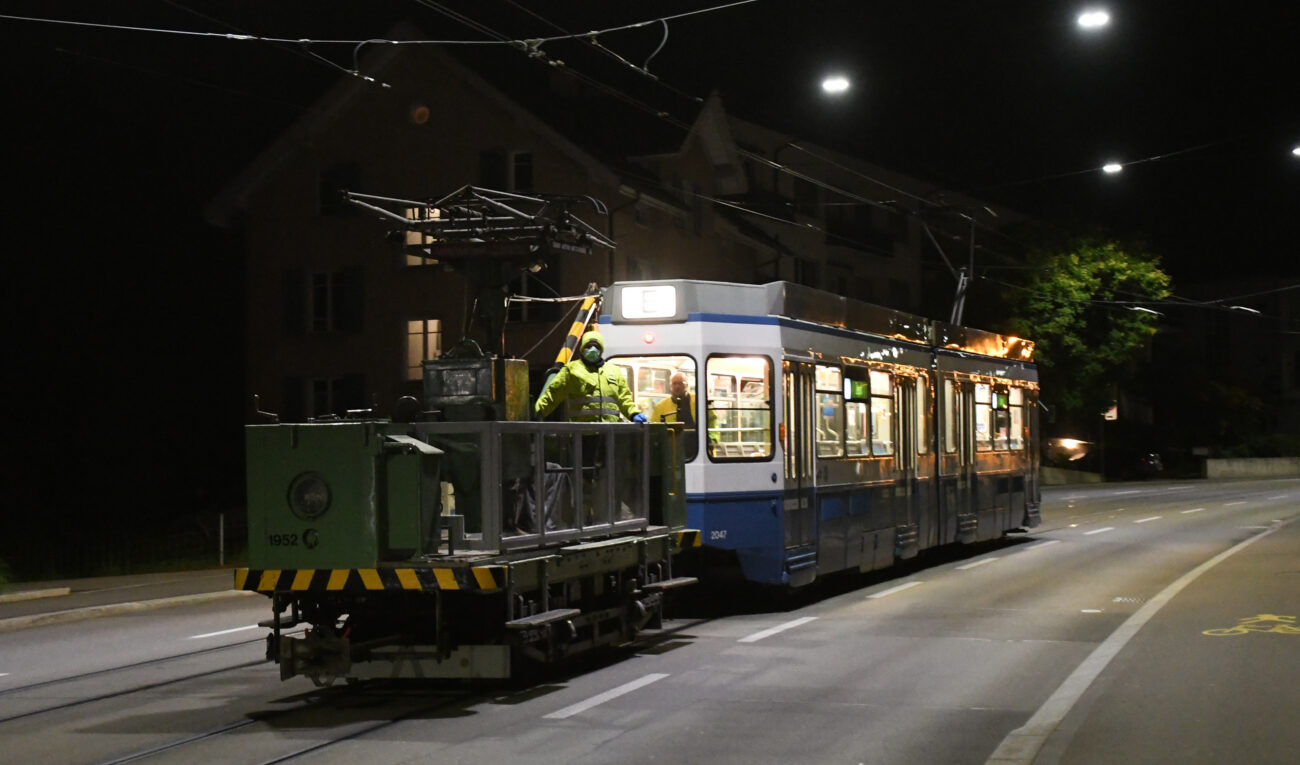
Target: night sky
[[127, 309]]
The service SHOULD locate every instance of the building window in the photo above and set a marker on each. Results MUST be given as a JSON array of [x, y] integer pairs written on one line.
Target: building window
[[540, 284], [506, 170], [329, 397], [423, 342], [322, 302], [334, 300]]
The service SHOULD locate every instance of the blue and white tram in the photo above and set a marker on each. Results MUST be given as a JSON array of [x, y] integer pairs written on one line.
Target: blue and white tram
[[828, 434]]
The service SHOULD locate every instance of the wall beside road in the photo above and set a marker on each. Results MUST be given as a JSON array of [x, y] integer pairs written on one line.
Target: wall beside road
[[1261, 467], [1052, 476]]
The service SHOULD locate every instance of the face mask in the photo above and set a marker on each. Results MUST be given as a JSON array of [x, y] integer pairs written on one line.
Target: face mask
[[591, 355]]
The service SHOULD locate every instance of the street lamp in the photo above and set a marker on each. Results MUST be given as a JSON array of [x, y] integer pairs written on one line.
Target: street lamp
[[1094, 18], [1110, 168], [835, 85]]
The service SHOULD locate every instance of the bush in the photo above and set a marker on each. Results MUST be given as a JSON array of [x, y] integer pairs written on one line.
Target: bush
[[1272, 445]]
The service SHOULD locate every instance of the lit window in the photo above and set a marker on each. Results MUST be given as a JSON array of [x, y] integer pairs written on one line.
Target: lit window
[[739, 407], [423, 342], [829, 414], [923, 415], [983, 417], [663, 388], [882, 413]]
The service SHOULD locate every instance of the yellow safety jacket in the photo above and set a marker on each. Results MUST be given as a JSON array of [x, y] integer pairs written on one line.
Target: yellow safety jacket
[[599, 395], [666, 411]]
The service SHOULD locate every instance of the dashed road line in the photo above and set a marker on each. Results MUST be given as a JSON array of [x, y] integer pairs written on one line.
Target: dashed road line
[[1193, 510], [1232, 504], [1041, 545], [975, 564], [757, 636], [892, 590], [222, 632], [1148, 520], [601, 698], [1101, 530]]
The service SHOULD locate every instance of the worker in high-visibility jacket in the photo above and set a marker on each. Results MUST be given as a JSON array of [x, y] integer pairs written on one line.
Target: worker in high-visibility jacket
[[592, 390]]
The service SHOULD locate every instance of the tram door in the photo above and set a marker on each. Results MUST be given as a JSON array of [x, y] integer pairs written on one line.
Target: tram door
[[905, 489], [957, 412], [798, 434]]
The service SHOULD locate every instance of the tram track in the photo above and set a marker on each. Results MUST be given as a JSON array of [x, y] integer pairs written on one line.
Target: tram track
[[333, 699], [150, 664]]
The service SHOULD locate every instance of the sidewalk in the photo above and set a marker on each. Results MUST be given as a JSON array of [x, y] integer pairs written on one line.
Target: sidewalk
[[25, 605]]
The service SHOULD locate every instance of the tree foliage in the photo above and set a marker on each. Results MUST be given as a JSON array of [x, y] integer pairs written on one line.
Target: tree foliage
[[1077, 307]]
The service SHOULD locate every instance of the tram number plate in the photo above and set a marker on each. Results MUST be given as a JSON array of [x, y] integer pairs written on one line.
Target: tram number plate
[[716, 535], [283, 540]]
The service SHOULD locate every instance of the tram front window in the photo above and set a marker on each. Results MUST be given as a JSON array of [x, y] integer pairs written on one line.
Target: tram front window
[[663, 388], [739, 407]]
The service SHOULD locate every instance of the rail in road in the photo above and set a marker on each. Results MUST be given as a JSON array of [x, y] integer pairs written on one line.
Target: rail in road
[[1141, 623]]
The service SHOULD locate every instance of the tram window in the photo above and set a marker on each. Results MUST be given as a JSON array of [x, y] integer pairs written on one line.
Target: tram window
[[857, 402], [651, 379], [739, 407], [1001, 419], [1017, 404], [830, 412], [950, 415], [882, 413], [983, 417], [922, 415]]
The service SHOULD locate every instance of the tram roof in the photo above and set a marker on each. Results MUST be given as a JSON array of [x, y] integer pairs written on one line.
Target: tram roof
[[675, 300]]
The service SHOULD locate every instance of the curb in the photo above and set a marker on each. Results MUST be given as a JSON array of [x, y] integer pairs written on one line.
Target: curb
[[14, 597], [93, 612]]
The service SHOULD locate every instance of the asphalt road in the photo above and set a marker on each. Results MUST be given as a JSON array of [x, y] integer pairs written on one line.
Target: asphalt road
[[1142, 623]]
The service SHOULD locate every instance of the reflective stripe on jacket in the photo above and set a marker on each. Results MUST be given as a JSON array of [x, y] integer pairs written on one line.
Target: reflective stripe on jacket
[[599, 395]]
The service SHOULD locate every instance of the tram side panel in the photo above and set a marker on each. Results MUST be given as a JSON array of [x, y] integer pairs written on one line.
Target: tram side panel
[[987, 446], [736, 492]]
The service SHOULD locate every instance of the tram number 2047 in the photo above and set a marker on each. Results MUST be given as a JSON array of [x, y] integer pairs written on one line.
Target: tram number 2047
[[719, 534]]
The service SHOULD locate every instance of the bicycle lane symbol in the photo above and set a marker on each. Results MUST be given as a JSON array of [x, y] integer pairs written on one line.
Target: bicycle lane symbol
[[1275, 623]]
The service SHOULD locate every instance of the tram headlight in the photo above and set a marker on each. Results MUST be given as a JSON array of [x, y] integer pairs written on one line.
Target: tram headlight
[[309, 496]]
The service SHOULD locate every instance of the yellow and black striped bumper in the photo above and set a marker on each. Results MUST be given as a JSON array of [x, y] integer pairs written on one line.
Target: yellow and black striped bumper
[[480, 578], [687, 538]]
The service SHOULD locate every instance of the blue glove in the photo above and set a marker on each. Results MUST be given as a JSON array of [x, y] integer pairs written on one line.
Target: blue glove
[[638, 417]]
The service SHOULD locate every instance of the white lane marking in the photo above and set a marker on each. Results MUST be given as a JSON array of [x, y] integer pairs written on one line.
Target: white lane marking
[[757, 636], [1277, 497], [222, 632], [601, 698], [892, 590], [976, 563], [1193, 510], [1130, 491], [4, 674], [1091, 611], [1041, 545], [1098, 531], [1148, 520], [1023, 744], [1231, 504]]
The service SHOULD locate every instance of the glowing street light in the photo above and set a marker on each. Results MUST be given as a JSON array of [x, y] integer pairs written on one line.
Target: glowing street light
[[1110, 168], [1295, 152], [1094, 18], [835, 85]]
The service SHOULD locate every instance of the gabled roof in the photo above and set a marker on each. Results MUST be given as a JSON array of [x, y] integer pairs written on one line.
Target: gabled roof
[[384, 63]]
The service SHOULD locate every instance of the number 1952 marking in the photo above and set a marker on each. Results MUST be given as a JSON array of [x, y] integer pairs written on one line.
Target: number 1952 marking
[[283, 540]]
